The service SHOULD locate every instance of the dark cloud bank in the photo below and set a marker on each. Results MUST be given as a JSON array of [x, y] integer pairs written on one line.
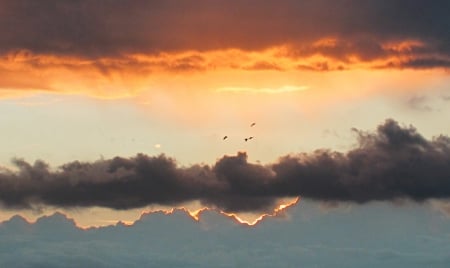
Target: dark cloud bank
[[394, 162], [101, 28]]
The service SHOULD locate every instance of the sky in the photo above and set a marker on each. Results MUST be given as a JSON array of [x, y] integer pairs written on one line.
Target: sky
[[113, 109]]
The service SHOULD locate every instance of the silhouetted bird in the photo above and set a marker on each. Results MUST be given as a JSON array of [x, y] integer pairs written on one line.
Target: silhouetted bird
[[250, 138], [246, 139], [224, 138], [252, 124]]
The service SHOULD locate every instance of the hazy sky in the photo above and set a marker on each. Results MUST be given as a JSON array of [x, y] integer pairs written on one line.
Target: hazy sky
[[109, 108], [304, 235]]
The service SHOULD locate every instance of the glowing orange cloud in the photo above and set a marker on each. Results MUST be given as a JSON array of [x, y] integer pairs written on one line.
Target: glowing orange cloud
[[129, 75]]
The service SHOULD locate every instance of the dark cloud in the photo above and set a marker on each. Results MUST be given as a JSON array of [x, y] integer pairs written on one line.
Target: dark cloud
[[101, 28], [392, 163], [425, 63]]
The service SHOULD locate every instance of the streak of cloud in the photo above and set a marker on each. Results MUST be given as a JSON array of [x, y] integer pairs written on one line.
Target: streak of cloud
[[419, 103], [394, 162], [284, 89]]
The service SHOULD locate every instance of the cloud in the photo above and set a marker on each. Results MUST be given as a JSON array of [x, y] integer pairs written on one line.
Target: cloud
[[392, 163], [284, 89], [98, 29], [379, 234], [320, 66], [419, 103], [263, 66], [419, 63]]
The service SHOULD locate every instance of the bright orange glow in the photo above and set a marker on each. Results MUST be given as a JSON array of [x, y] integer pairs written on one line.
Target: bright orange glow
[[222, 85], [273, 70]]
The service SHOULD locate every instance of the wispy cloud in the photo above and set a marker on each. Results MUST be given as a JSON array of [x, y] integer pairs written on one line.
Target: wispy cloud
[[419, 103], [284, 89]]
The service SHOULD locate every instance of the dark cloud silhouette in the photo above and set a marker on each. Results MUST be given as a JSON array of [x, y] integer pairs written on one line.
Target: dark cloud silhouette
[[392, 163], [100, 28]]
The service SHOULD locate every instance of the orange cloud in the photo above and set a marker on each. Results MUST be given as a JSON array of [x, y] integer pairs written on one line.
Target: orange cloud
[[129, 75]]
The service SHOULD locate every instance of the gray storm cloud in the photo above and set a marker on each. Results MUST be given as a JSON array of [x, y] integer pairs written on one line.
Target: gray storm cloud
[[393, 162], [101, 28]]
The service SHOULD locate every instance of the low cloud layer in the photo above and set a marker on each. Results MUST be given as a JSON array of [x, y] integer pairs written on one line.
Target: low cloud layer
[[394, 162], [417, 31]]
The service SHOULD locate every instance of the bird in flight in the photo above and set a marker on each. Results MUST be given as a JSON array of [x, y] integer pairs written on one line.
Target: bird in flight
[[252, 124], [225, 137]]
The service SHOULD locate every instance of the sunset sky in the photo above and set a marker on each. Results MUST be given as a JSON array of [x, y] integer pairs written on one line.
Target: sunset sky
[[109, 109]]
